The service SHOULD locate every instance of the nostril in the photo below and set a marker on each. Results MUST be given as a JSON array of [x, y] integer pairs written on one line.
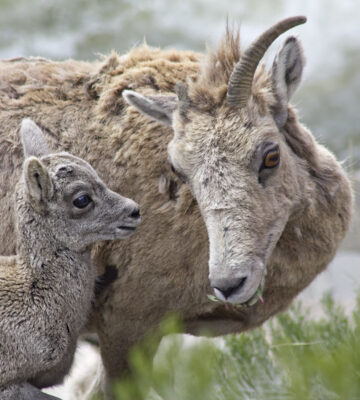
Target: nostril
[[135, 213], [236, 285]]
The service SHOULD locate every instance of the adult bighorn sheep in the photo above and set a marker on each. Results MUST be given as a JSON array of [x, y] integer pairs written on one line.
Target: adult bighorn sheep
[[251, 187], [47, 289]]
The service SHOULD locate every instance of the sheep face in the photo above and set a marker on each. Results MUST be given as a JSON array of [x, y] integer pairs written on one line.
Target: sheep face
[[74, 202], [230, 149], [243, 177]]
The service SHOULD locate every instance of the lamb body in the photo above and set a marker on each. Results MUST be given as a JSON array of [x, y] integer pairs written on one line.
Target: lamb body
[[47, 289]]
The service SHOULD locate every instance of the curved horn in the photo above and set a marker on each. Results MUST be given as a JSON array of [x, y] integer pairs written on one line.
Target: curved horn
[[240, 82]]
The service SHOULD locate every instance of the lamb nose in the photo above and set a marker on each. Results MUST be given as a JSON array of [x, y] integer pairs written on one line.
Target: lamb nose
[[233, 286], [136, 213]]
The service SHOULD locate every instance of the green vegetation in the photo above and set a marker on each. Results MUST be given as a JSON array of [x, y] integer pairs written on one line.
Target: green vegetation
[[291, 357]]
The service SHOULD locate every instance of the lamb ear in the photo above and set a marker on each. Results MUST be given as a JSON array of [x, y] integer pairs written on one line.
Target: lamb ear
[[38, 183], [286, 75], [159, 108], [33, 140]]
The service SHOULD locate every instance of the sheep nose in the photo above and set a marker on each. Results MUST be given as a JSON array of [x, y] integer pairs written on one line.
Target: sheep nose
[[135, 213], [227, 288]]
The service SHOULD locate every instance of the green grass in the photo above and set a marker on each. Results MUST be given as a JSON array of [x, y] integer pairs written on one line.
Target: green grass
[[291, 357]]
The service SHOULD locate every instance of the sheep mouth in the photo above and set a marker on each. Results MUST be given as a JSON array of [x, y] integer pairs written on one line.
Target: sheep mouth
[[126, 228], [229, 305], [124, 231]]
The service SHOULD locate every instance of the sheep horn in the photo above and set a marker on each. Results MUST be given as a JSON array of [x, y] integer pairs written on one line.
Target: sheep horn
[[240, 82]]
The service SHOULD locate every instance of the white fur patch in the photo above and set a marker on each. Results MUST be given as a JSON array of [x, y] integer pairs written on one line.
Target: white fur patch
[[86, 377]]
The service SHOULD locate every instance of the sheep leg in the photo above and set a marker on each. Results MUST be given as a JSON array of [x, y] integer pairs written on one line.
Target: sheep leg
[[24, 391]]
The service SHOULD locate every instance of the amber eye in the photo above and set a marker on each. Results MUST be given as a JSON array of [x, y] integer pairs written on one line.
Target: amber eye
[[271, 159]]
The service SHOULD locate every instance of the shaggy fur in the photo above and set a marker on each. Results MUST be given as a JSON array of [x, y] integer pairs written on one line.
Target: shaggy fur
[[165, 267]]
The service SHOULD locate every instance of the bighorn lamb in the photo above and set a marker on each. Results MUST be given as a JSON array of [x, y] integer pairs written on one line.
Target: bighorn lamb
[[46, 290], [251, 186]]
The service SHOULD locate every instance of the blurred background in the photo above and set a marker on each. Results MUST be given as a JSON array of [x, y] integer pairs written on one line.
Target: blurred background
[[328, 98]]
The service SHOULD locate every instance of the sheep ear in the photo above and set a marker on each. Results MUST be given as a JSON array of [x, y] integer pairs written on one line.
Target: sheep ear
[[286, 75], [33, 140], [159, 108], [38, 183]]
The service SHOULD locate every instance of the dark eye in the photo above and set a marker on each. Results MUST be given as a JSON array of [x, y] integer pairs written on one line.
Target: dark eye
[[82, 201], [271, 159]]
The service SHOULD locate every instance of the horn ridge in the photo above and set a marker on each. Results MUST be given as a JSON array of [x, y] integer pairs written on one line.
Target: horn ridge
[[240, 82]]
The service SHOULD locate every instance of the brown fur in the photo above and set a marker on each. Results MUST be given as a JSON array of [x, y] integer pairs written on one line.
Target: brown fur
[[164, 267]]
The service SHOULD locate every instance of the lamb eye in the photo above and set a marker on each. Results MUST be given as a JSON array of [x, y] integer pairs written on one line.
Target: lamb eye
[[271, 159], [82, 201]]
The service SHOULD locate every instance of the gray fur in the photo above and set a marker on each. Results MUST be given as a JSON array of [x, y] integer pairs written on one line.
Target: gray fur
[[24, 391], [46, 290]]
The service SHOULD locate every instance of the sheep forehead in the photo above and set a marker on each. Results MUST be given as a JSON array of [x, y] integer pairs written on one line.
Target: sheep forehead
[[234, 136]]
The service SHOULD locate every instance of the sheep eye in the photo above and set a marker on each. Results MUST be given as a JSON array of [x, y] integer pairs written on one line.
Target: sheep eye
[[82, 201], [271, 159]]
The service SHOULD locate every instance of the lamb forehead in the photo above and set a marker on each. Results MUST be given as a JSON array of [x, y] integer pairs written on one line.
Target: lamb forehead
[[64, 164]]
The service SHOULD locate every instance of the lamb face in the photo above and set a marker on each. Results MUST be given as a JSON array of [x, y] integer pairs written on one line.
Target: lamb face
[[73, 200]]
